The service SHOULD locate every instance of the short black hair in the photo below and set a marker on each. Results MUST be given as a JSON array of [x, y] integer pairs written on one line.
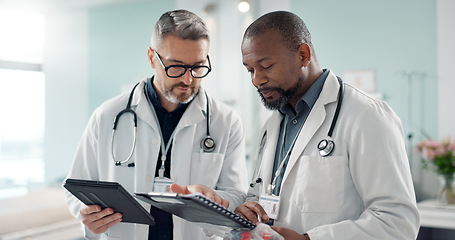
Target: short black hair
[[291, 27]]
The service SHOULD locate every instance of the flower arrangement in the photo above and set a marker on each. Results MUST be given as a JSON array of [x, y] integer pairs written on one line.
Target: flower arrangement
[[438, 154], [439, 157]]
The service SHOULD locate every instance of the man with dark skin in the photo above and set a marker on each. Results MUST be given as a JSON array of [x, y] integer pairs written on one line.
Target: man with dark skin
[[360, 190]]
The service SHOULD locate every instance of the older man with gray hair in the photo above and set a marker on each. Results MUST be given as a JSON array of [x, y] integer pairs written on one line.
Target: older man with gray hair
[[184, 137]]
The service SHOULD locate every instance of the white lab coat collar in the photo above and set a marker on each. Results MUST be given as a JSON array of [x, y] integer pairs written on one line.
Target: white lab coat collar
[[195, 113], [268, 157], [142, 107], [315, 119]]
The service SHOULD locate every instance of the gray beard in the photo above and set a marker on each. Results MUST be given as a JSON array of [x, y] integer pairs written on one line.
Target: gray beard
[[169, 95], [173, 99]]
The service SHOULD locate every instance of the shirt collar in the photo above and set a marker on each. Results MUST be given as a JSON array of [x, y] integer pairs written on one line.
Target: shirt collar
[[309, 98]]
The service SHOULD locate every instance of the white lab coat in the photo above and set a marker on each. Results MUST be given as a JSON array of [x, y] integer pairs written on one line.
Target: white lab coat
[[223, 169], [363, 190]]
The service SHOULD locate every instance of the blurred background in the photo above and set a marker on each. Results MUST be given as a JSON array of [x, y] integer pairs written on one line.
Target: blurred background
[[60, 59]]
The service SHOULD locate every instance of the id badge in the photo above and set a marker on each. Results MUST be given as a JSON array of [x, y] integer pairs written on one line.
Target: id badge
[[162, 184], [271, 205]]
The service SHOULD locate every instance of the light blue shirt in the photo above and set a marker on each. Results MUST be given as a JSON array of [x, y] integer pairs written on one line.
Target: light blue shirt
[[295, 121]]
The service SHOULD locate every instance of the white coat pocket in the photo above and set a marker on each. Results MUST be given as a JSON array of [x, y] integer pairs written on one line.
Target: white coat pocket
[[206, 168], [320, 183]]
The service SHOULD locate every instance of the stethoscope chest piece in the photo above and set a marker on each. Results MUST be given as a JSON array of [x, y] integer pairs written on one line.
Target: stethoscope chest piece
[[208, 144], [326, 147]]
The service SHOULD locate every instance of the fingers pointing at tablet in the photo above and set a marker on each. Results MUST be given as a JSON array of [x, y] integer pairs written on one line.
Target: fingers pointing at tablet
[[208, 192]]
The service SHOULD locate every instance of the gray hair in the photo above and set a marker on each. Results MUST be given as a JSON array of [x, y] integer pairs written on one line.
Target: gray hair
[[180, 23], [291, 27]]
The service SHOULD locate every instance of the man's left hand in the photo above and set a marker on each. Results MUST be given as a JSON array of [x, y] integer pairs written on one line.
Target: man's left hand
[[206, 191]]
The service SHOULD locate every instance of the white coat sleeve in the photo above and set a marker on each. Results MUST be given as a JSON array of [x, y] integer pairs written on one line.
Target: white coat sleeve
[[380, 172], [84, 167], [232, 183]]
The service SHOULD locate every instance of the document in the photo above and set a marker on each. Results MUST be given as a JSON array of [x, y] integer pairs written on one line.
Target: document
[[196, 208]]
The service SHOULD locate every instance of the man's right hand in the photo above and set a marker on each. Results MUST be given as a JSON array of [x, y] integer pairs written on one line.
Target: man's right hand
[[97, 220], [251, 211]]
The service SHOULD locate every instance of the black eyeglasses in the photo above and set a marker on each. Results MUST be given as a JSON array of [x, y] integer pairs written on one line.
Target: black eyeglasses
[[175, 71]]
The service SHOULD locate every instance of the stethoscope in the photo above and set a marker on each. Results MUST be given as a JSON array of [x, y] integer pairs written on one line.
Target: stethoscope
[[207, 143], [325, 146]]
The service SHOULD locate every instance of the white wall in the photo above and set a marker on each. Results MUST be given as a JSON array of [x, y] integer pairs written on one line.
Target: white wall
[[446, 62], [65, 68], [426, 182], [446, 87]]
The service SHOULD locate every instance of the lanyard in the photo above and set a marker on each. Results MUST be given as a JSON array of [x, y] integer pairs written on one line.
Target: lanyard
[[272, 186], [164, 148]]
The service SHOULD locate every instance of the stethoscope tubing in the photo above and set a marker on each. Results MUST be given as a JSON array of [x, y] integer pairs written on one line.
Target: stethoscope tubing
[[207, 143], [116, 120], [329, 142], [337, 110]]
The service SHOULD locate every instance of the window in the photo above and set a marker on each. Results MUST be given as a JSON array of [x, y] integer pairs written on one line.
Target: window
[[21, 102]]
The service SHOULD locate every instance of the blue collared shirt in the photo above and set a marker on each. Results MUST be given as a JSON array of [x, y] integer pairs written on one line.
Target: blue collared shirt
[[167, 120], [295, 121]]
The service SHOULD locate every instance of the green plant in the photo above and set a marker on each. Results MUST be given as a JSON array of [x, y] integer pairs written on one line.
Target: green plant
[[438, 156]]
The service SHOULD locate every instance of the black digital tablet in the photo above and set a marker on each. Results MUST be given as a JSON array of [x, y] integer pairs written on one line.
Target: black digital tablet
[[110, 194], [196, 208]]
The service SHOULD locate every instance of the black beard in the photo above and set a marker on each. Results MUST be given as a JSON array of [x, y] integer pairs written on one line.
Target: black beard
[[285, 96]]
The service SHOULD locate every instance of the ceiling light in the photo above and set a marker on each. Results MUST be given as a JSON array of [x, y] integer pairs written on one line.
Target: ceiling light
[[243, 6]]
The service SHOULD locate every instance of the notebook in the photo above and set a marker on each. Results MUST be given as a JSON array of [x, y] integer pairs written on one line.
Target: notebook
[[196, 208], [110, 194]]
